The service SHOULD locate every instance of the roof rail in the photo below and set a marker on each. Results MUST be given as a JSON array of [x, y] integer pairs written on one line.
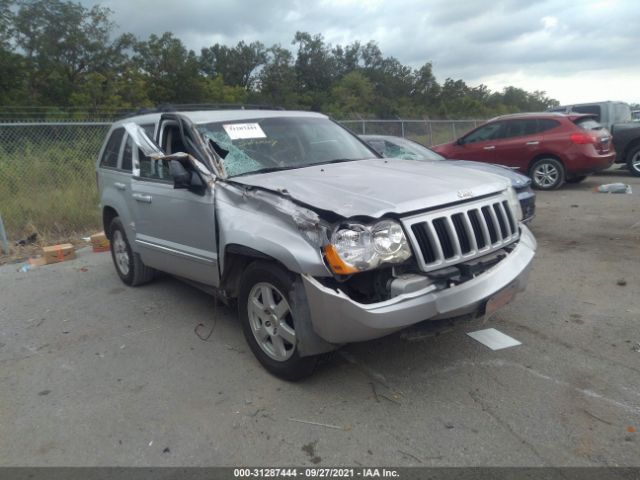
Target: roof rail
[[192, 107]]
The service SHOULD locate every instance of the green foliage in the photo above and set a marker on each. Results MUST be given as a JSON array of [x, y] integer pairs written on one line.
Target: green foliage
[[51, 184], [57, 52]]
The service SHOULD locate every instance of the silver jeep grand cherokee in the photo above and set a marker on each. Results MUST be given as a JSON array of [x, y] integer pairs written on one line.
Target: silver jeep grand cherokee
[[319, 240]]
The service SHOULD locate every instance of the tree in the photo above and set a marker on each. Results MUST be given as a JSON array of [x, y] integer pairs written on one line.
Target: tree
[[315, 68], [352, 94], [277, 80], [61, 42], [170, 70], [237, 65]]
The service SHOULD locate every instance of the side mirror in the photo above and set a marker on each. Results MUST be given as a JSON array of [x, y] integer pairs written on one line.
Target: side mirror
[[460, 141], [183, 178]]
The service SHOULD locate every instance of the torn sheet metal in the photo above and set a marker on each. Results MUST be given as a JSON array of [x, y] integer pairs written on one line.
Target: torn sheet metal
[[142, 141], [308, 222], [151, 150], [494, 339]]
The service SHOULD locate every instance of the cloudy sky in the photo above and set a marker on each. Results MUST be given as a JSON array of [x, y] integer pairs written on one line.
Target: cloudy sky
[[575, 50]]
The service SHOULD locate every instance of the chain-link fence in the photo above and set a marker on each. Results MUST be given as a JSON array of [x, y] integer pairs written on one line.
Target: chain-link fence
[[427, 132], [47, 178], [47, 170]]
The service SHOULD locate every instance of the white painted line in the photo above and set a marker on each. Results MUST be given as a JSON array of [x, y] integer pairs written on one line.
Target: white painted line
[[494, 339]]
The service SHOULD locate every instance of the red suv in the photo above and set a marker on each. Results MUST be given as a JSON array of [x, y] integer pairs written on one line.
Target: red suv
[[549, 147]]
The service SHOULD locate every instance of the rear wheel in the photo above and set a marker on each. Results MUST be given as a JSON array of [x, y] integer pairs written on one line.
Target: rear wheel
[[267, 320], [576, 179], [633, 161], [547, 174], [130, 268]]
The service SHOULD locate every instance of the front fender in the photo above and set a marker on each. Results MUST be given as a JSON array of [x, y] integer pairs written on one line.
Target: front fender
[[246, 220]]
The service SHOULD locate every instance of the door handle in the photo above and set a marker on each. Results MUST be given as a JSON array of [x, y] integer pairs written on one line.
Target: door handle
[[141, 198], [119, 185], [533, 142], [490, 147]]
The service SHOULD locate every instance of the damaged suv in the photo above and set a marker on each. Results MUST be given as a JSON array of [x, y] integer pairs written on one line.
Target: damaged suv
[[316, 238]]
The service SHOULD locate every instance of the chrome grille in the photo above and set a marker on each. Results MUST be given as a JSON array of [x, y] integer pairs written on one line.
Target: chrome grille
[[460, 233]]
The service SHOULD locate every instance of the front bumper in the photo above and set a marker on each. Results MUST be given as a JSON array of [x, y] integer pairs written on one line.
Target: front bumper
[[338, 319], [527, 199]]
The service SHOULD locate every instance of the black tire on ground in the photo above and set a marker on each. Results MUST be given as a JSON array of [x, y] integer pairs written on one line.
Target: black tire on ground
[[263, 289], [547, 174], [128, 265], [576, 179], [633, 161]]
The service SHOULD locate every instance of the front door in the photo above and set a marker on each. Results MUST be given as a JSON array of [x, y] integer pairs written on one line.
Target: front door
[[175, 228], [480, 144]]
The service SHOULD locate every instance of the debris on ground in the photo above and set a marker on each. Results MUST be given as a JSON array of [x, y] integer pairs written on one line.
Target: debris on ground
[[166, 450], [391, 399], [621, 282], [58, 253], [25, 267], [27, 240], [614, 188], [317, 424], [32, 263], [100, 242], [636, 347], [494, 339]]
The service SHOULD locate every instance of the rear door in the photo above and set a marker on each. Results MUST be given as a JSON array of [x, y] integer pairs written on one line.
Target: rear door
[[175, 228], [520, 143], [115, 173]]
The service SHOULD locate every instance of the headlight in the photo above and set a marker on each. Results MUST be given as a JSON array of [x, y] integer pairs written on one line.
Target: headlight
[[356, 247], [514, 203]]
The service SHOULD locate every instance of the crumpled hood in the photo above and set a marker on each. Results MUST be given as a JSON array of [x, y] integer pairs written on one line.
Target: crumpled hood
[[378, 186], [518, 180]]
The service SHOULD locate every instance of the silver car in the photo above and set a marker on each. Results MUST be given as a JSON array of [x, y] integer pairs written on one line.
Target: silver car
[[316, 238]]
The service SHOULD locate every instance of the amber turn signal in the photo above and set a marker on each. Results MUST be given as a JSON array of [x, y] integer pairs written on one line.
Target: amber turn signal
[[336, 263]]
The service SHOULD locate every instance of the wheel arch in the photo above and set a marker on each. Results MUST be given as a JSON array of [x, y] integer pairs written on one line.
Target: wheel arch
[[628, 150], [236, 259], [540, 156], [108, 214]]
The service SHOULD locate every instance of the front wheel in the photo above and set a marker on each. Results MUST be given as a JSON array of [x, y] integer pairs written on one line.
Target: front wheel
[[130, 268], [633, 161], [264, 307], [547, 174]]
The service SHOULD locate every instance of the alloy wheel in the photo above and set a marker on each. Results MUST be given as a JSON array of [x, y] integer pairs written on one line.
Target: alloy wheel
[[546, 175], [271, 321], [120, 252]]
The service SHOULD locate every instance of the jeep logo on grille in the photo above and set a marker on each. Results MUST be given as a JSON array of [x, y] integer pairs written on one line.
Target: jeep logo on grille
[[465, 194]]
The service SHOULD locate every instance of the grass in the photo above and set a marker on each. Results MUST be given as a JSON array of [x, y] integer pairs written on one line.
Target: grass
[[49, 188]]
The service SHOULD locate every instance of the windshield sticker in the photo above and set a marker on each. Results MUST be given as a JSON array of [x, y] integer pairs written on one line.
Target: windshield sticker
[[237, 131]]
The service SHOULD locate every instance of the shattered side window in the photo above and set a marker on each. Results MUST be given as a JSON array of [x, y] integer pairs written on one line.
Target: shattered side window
[[154, 168]]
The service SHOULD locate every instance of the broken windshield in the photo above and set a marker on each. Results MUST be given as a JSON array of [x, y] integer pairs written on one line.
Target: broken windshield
[[269, 144]]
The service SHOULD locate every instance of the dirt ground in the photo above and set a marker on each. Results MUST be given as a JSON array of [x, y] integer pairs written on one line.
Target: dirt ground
[[95, 373]]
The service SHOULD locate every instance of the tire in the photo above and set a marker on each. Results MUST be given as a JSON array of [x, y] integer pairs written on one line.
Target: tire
[[576, 179], [633, 161], [547, 174], [128, 265], [267, 322]]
